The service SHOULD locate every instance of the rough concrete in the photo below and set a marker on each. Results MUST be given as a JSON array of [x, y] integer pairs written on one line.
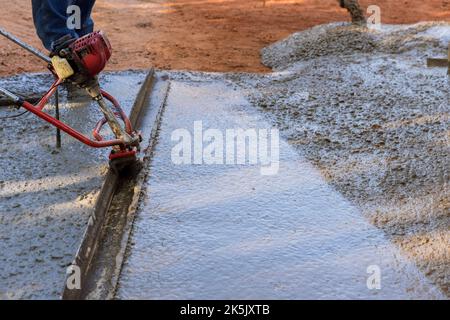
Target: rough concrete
[[47, 195], [228, 232], [364, 108], [338, 40]]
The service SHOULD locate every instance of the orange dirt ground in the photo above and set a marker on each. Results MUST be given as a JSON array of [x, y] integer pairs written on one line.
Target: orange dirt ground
[[207, 35]]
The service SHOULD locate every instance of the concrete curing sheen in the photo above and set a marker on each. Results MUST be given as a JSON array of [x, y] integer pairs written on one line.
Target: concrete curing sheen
[[229, 232]]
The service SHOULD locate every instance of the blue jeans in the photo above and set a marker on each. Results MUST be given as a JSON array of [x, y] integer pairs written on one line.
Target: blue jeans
[[50, 19]]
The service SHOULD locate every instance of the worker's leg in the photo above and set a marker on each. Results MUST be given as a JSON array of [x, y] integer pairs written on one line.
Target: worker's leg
[[50, 19]]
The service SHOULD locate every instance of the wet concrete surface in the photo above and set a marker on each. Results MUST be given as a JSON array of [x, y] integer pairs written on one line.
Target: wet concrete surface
[[47, 195], [228, 232], [362, 106]]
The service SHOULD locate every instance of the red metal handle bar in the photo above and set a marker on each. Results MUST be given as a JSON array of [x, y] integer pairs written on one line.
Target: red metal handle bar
[[119, 113], [69, 130], [49, 94], [128, 126], [38, 111], [99, 126]]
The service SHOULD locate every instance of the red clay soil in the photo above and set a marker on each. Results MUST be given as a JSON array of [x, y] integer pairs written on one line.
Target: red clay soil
[[207, 35]]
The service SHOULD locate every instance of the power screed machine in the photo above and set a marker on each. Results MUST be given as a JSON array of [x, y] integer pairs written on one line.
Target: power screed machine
[[80, 63]]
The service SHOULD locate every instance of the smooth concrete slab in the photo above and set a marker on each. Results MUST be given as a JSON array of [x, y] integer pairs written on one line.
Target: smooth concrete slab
[[229, 232]]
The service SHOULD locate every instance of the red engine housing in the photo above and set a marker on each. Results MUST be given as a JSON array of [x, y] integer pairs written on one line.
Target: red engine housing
[[92, 52]]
